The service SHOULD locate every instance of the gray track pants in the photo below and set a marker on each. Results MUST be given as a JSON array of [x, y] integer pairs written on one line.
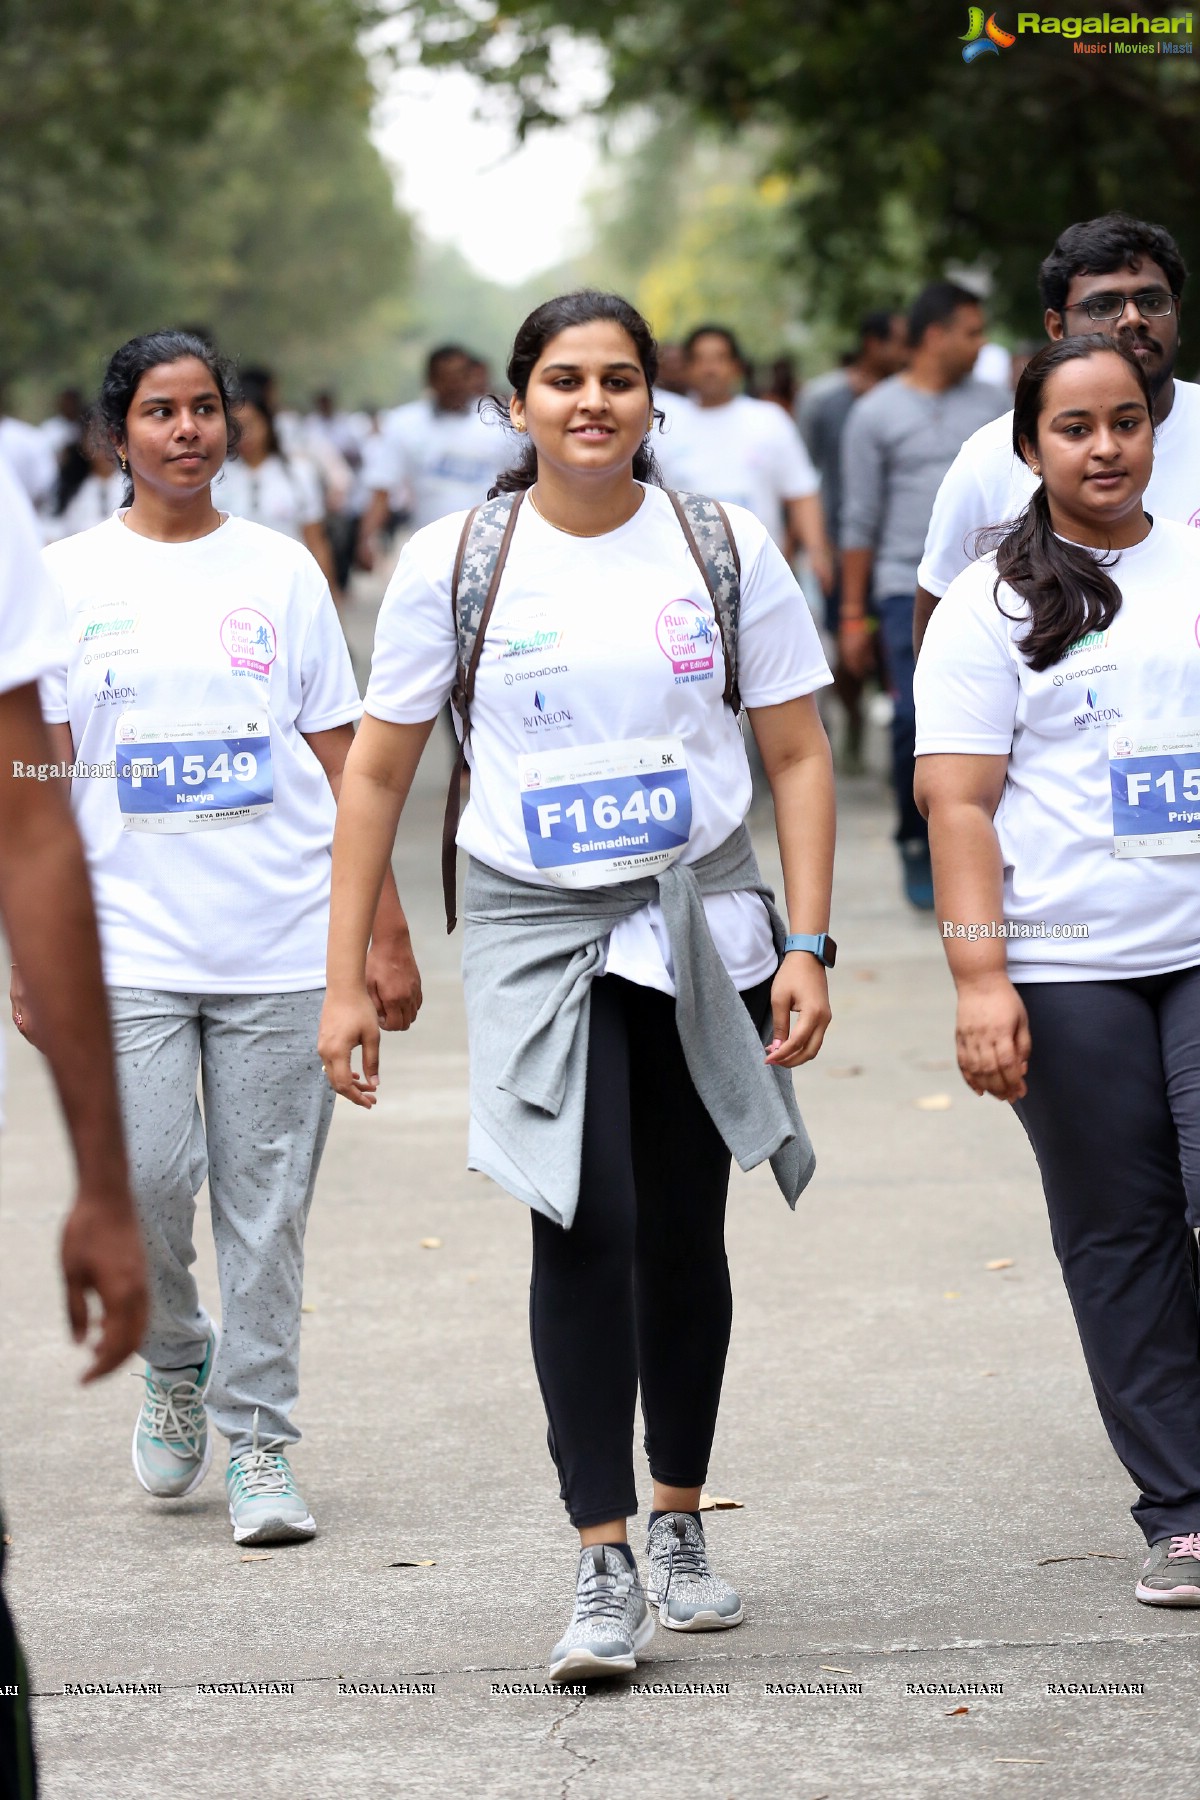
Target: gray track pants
[[267, 1109]]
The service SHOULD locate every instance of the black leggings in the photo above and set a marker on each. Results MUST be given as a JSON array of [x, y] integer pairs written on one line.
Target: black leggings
[[638, 1288], [1113, 1114]]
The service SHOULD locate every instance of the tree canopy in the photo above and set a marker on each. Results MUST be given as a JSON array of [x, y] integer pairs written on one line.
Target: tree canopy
[[870, 107]]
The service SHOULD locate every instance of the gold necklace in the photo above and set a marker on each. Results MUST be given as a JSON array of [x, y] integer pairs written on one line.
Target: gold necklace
[[579, 534]]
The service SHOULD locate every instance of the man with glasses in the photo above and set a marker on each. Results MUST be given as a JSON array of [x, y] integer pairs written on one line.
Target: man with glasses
[[1119, 276]]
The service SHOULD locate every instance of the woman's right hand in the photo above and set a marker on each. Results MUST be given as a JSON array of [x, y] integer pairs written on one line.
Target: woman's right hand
[[992, 1037], [19, 1001], [347, 1021]]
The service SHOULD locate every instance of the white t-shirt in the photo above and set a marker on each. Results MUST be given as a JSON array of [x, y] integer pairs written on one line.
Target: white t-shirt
[[977, 696], [282, 494], [745, 453], [987, 484], [31, 634], [240, 622], [447, 461], [579, 652], [28, 454], [96, 499]]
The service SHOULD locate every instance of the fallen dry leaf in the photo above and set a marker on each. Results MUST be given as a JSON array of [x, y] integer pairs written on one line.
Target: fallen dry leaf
[[1000, 1262], [8, 1537], [431, 1243], [425, 1563], [307, 1308], [832, 1669], [957, 1712], [951, 1294], [985, 1372], [718, 1503], [472, 1277], [258, 1556], [846, 1073], [933, 1103], [864, 975]]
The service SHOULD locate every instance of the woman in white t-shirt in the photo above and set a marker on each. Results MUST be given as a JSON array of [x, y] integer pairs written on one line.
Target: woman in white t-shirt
[[90, 489], [207, 705], [614, 916], [1058, 761], [262, 483]]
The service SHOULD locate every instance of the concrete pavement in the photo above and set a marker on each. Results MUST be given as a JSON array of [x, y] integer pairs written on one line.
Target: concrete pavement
[[928, 1495]]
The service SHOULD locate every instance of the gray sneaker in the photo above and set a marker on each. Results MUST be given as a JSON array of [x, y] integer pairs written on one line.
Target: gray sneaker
[[1171, 1573], [610, 1623], [171, 1446], [689, 1597]]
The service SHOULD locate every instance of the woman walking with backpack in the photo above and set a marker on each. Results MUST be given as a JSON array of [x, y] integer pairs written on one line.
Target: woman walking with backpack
[[633, 1000]]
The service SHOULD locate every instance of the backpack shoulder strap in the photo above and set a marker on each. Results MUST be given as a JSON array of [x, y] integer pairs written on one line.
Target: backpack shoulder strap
[[479, 564], [710, 539]]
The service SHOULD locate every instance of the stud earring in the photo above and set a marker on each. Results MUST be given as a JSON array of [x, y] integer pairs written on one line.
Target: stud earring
[[522, 429]]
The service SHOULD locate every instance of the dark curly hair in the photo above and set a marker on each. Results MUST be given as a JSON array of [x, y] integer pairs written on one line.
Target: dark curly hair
[[1100, 247], [544, 324]]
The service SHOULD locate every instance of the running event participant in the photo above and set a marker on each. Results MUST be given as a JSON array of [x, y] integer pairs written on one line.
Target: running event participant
[[90, 488], [46, 912], [1122, 278], [208, 684], [617, 1034], [261, 483], [742, 451], [1058, 760], [440, 448]]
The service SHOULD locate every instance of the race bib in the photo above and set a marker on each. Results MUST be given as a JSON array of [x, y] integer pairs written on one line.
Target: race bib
[[1155, 774], [602, 813], [193, 774]]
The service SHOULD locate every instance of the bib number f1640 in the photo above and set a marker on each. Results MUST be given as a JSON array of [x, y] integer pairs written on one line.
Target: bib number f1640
[[1155, 775], [199, 774], [602, 813]]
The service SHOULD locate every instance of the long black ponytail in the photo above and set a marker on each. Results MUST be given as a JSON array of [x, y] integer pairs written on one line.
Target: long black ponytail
[[544, 323], [1067, 588]]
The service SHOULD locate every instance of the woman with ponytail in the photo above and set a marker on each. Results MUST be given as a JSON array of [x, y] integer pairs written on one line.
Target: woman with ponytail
[[1058, 763], [634, 1004]]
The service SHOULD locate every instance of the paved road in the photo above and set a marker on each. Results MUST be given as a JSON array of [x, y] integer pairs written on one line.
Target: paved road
[[928, 1497]]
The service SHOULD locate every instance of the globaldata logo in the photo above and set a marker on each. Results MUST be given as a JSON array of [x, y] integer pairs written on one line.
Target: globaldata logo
[[984, 38]]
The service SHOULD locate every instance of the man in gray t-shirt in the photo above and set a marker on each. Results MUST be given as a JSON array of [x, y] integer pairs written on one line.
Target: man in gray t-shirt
[[899, 441]]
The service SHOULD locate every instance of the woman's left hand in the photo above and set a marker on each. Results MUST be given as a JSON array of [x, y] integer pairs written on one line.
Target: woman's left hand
[[394, 982], [800, 988]]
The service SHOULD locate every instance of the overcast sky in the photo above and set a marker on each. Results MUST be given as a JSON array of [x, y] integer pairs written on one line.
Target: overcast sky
[[511, 212]]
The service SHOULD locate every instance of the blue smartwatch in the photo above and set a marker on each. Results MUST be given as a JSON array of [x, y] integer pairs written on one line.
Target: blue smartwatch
[[818, 944]]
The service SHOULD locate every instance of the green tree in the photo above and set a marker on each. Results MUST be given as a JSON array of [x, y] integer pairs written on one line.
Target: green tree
[[161, 162], [872, 105]]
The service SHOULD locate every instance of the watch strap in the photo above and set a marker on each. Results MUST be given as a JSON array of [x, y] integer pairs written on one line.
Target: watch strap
[[818, 944]]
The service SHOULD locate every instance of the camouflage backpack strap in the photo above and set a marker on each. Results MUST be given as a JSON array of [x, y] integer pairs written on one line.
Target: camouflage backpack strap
[[711, 541], [478, 566]]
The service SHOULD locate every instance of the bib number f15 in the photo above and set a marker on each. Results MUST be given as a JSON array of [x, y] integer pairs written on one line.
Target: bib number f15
[[193, 775], [602, 813], [1155, 777]]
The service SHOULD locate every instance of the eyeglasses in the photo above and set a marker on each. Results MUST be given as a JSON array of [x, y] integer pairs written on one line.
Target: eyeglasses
[[1154, 303]]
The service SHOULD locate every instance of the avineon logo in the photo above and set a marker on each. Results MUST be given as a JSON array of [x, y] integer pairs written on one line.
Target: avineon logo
[[544, 717], [1095, 714], [114, 693]]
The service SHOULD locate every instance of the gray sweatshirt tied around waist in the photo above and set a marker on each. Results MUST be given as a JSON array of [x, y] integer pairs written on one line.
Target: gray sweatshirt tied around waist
[[529, 958]]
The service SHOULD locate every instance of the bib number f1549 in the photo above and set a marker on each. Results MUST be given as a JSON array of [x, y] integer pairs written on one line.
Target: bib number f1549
[[1155, 775], [602, 813], [203, 774]]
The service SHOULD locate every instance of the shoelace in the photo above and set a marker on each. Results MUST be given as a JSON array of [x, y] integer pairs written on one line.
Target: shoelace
[[602, 1595], [261, 1473], [1188, 1545], [688, 1556], [175, 1414]]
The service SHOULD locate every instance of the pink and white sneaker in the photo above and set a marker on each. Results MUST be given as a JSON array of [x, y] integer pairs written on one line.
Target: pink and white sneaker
[[1171, 1573]]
